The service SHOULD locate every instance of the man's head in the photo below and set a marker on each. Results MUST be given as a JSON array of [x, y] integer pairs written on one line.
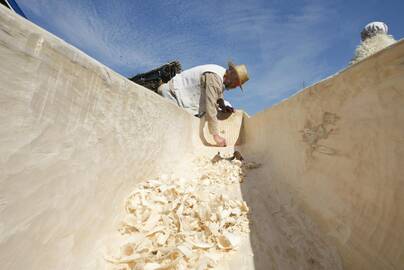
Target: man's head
[[235, 76]]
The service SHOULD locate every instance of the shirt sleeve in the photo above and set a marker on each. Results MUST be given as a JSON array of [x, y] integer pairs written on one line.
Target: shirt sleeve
[[214, 91]]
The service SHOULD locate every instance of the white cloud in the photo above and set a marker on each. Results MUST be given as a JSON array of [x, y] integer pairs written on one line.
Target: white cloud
[[282, 47], [291, 52], [104, 36]]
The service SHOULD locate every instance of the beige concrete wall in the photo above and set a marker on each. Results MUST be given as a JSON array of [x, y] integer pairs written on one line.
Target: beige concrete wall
[[75, 137], [334, 154]]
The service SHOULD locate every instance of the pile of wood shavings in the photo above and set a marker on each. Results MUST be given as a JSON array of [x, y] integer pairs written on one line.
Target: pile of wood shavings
[[175, 223], [223, 172]]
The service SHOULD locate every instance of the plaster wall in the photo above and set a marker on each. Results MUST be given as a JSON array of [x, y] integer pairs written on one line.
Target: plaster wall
[[75, 137], [333, 152]]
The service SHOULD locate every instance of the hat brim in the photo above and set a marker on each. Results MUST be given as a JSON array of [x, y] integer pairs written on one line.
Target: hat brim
[[233, 67]]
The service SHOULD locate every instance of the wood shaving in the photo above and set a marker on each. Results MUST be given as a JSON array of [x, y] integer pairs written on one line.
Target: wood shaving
[[174, 223], [222, 172]]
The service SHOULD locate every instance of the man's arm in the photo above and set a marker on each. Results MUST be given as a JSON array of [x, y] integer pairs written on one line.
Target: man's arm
[[213, 88]]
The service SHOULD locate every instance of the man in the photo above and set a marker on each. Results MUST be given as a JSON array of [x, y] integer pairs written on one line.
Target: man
[[200, 90], [374, 38]]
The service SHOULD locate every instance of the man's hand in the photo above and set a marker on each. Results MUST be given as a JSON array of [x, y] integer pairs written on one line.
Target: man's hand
[[219, 140]]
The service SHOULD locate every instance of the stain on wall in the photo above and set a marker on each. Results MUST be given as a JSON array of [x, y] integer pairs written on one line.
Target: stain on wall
[[314, 135]]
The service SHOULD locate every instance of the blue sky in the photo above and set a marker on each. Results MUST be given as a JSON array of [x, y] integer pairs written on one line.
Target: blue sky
[[285, 44]]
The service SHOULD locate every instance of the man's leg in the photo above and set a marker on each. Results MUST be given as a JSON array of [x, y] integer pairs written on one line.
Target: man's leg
[[153, 78]]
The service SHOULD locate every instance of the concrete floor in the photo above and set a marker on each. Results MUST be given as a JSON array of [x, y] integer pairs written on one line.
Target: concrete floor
[[75, 137]]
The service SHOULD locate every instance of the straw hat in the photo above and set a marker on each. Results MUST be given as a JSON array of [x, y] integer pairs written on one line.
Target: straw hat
[[241, 71]]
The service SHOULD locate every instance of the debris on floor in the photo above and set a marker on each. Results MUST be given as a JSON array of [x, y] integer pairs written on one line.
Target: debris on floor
[[177, 223], [237, 155]]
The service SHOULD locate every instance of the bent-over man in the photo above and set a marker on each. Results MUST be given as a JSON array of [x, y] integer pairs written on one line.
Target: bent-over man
[[200, 91]]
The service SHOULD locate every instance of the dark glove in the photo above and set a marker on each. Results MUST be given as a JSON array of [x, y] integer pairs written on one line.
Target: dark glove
[[224, 108], [228, 109]]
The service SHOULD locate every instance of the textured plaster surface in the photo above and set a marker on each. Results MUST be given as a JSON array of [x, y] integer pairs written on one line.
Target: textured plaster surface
[[75, 137], [334, 153]]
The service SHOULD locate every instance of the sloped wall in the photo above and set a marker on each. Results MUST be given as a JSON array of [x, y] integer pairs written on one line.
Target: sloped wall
[[335, 153], [75, 137]]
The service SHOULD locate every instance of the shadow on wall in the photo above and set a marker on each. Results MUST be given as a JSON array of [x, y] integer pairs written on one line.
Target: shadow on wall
[[282, 237]]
